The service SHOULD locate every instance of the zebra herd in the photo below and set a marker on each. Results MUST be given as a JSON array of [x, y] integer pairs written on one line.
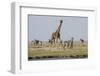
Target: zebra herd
[[64, 44]]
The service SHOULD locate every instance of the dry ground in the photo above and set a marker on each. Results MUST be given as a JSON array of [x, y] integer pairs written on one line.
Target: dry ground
[[44, 52]]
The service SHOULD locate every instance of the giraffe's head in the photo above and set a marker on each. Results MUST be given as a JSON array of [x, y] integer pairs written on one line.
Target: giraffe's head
[[72, 38], [61, 21]]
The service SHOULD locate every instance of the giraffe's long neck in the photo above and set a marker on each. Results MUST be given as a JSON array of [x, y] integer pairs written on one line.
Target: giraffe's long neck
[[58, 30]]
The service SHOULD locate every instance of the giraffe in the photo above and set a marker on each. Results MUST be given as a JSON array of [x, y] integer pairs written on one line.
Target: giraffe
[[71, 42], [56, 35]]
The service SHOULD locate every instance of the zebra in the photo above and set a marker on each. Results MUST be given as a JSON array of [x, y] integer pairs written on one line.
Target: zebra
[[36, 42], [82, 42], [66, 44]]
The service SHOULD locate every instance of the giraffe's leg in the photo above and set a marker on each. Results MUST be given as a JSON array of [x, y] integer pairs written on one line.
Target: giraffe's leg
[[56, 40], [60, 43], [53, 42]]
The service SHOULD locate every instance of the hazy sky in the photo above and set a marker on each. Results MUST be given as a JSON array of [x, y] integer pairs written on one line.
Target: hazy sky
[[42, 27]]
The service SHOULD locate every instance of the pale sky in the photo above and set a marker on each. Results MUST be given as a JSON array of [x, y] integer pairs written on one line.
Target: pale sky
[[42, 27]]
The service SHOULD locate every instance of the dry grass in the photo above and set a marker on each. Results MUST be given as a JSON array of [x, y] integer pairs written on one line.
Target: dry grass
[[58, 50]]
